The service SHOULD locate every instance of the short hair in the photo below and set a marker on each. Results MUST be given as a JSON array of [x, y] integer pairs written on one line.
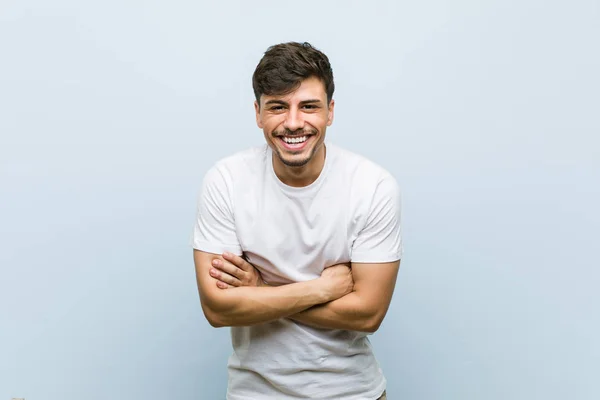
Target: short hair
[[284, 66]]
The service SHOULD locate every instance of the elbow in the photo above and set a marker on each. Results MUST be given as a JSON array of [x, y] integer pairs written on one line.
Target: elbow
[[219, 311], [215, 322], [214, 318], [372, 324]]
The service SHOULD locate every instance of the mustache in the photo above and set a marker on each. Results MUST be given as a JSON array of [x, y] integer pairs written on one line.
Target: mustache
[[299, 132]]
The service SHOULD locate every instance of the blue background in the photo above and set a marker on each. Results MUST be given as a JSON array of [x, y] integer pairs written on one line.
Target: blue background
[[486, 112]]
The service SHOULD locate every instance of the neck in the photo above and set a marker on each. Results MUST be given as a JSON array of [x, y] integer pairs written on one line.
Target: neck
[[300, 176]]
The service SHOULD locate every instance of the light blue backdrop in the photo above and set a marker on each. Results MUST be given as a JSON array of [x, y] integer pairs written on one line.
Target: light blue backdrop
[[486, 112]]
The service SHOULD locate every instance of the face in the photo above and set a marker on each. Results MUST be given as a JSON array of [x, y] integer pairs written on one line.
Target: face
[[294, 124]]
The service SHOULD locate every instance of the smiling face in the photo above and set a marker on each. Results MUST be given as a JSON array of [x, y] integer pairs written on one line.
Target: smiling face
[[294, 126]]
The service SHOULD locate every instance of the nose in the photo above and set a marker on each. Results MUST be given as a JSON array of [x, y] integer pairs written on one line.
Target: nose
[[293, 120]]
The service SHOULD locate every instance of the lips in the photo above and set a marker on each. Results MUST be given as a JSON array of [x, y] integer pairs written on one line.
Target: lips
[[294, 142]]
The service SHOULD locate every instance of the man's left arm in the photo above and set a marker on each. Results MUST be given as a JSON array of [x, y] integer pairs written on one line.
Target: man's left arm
[[375, 260], [364, 308]]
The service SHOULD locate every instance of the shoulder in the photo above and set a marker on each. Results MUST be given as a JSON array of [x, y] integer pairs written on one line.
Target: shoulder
[[239, 165], [251, 158], [361, 172]]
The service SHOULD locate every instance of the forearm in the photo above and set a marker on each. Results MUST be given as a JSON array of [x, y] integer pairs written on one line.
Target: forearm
[[350, 312], [254, 305]]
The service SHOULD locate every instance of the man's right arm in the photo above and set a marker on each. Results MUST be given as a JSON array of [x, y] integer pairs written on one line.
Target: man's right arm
[[254, 305]]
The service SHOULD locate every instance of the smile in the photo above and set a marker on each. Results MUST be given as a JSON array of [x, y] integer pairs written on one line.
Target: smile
[[294, 143], [295, 140]]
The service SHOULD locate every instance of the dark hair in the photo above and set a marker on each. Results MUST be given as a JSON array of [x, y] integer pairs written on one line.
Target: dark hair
[[284, 66]]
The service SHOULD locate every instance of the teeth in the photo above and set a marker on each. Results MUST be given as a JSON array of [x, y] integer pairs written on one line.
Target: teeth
[[295, 140]]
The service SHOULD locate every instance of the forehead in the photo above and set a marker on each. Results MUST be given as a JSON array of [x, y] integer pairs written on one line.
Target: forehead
[[310, 88]]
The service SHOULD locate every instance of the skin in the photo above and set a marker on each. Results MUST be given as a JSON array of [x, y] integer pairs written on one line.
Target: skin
[[305, 111], [362, 309], [251, 305], [352, 296]]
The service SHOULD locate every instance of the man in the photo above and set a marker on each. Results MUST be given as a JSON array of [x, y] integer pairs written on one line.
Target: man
[[297, 245]]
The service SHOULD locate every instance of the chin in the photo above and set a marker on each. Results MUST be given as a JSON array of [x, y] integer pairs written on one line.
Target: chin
[[294, 160], [295, 163]]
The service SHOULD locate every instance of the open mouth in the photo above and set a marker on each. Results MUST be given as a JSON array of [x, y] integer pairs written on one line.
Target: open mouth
[[294, 142]]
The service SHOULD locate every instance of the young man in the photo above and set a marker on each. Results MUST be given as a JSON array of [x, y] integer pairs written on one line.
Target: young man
[[297, 245]]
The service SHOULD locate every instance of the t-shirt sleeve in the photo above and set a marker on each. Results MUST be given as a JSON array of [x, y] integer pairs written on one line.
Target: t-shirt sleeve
[[214, 228], [380, 240]]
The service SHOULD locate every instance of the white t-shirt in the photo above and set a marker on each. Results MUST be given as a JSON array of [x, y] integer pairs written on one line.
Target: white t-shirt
[[350, 213]]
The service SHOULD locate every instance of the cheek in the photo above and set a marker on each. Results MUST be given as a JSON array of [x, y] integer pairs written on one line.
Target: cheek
[[318, 121], [272, 124]]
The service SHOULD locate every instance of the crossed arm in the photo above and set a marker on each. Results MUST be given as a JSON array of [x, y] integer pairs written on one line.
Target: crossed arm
[[342, 298], [364, 308]]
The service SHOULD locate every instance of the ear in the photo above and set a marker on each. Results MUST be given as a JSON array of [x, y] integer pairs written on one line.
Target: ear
[[330, 112], [257, 111]]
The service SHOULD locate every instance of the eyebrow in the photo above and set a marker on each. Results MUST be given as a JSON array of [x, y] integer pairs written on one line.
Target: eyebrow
[[275, 102], [284, 103]]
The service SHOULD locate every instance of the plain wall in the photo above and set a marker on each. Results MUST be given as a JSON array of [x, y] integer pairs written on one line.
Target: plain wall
[[487, 113]]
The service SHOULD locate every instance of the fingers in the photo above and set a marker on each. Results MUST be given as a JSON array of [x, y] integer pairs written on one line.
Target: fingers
[[235, 271], [224, 273], [338, 268], [222, 285], [228, 268], [223, 278], [237, 261]]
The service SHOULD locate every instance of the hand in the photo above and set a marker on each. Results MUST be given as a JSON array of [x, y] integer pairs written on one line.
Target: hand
[[338, 280], [234, 271]]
